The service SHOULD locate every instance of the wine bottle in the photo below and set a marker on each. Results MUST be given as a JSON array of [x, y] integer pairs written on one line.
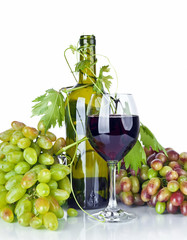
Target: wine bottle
[[89, 170]]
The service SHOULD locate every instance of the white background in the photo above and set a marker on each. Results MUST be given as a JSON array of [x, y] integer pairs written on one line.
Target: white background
[[146, 41]]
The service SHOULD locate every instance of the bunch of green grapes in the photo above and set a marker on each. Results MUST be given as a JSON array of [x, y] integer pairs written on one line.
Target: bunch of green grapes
[[33, 185], [161, 183]]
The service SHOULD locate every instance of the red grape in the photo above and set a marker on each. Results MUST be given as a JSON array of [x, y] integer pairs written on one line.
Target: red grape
[[162, 157], [183, 208], [177, 198], [125, 183], [172, 155], [156, 164], [127, 198], [153, 186], [171, 208], [150, 159], [183, 187], [174, 165], [145, 196], [171, 175], [152, 202], [181, 172], [122, 173], [149, 151], [163, 195], [137, 200], [183, 157]]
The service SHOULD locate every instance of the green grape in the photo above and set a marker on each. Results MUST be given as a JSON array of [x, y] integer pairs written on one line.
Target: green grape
[[36, 222], [50, 221], [57, 174], [41, 127], [152, 173], [44, 176], [59, 194], [10, 174], [53, 184], [173, 186], [15, 157], [182, 178], [24, 143], [17, 125], [36, 148], [2, 145], [72, 212], [145, 184], [55, 207], [34, 208], [160, 207], [51, 136], [62, 202], [16, 136], [65, 168], [44, 142], [6, 166], [42, 205], [37, 168], [7, 214], [6, 135], [30, 132], [30, 155], [15, 194], [3, 199], [9, 148], [65, 184], [22, 167], [60, 143], [13, 181], [135, 184], [2, 188], [25, 218], [144, 172], [2, 178], [29, 179], [23, 205], [49, 151], [46, 159], [42, 189], [165, 170]]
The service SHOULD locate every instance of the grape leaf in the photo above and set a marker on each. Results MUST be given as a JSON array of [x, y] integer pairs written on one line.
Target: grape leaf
[[80, 66], [51, 106], [98, 87], [148, 139], [135, 158]]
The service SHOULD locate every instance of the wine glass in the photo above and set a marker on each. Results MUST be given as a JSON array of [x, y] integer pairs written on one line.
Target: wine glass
[[112, 129]]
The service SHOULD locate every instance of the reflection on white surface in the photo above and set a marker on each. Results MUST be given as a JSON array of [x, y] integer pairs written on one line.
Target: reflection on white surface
[[148, 226]]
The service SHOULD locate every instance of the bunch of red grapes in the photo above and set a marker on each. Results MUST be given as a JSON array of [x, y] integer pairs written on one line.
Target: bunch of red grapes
[[161, 183]]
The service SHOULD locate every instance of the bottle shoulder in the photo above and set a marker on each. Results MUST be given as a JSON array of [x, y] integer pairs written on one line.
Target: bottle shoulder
[[84, 92]]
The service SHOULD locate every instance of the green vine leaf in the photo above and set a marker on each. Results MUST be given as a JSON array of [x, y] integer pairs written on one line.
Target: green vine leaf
[[148, 139], [51, 106], [80, 66], [103, 80], [136, 157]]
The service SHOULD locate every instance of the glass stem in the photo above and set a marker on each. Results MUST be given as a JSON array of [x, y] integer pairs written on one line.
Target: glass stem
[[112, 205]]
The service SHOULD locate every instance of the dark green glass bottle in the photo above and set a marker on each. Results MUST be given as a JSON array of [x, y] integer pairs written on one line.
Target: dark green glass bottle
[[90, 172]]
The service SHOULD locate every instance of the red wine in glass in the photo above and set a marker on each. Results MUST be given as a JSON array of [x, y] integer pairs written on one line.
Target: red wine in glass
[[114, 141], [112, 130]]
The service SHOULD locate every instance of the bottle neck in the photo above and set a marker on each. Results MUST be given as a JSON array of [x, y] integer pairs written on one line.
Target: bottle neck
[[87, 76]]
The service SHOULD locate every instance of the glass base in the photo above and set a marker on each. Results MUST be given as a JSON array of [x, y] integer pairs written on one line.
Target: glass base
[[118, 215]]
